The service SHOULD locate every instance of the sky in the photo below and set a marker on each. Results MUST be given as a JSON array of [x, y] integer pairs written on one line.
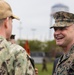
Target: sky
[[35, 18]]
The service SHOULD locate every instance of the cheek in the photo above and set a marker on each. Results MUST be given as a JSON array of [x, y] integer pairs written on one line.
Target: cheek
[[10, 27], [54, 35], [10, 30], [71, 33]]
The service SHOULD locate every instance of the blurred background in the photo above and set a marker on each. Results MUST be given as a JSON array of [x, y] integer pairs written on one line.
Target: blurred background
[[33, 29]]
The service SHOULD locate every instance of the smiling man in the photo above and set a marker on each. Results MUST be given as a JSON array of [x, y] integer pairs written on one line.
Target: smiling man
[[64, 37]]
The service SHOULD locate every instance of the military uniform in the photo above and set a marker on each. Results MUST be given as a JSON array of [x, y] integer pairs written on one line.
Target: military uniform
[[14, 60], [23, 65], [5, 58], [65, 65]]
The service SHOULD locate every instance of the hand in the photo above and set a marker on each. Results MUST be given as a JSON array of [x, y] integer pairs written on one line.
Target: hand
[[36, 71]]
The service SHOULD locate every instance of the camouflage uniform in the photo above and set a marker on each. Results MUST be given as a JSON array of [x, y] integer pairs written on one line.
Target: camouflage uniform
[[5, 57], [65, 65], [14, 60], [22, 62]]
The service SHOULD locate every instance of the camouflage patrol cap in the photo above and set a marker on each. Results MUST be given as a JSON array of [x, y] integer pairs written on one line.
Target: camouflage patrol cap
[[63, 19]]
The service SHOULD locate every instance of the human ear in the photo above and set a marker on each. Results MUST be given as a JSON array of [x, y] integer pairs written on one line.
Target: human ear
[[6, 22]]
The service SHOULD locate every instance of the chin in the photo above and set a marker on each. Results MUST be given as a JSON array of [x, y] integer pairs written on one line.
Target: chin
[[59, 43]]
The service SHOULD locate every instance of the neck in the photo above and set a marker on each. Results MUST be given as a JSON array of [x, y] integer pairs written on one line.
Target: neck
[[67, 48], [2, 33]]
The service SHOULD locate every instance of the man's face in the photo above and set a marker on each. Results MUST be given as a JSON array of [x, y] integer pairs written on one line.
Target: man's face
[[64, 36]]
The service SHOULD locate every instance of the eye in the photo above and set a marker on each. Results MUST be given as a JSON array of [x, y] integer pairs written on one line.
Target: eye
[[59, 28], [62, 28], [55, 29]]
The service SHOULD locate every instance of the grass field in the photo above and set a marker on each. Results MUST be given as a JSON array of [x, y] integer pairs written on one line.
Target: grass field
[[49, 67]]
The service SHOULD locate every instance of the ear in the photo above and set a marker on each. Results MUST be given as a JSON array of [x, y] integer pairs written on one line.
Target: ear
[[6, 23]]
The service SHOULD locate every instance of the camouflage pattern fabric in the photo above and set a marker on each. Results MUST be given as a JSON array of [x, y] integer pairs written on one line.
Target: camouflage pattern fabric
[[14, 60], [63, 19], [5, 57], [65, 65], [63, 16], [22, 62]]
